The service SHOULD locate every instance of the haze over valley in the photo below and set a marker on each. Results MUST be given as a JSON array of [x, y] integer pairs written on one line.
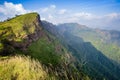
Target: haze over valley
[[59, 40]]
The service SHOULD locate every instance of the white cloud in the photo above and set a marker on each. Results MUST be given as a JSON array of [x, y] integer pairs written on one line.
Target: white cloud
[[62, 11], [12, 9], [44, 10], [43, 18], [9, 9], [113, 15], [85, 15], [53, 6], [48, 9], [82, 14], [50, 16]]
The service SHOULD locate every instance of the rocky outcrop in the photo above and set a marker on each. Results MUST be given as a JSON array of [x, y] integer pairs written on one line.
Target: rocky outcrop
[[28, 39]]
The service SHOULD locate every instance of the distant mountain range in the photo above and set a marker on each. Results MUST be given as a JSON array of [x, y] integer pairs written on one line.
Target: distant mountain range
[[98, 50], [68, 51]]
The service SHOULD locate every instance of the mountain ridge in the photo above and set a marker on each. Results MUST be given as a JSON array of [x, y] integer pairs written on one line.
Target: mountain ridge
[[64, 51], [78, 47], [28, 37]]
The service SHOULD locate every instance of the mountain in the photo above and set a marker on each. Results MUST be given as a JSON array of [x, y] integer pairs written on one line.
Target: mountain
[[106, 41], [29, 51], [39, 50], [90, 60]]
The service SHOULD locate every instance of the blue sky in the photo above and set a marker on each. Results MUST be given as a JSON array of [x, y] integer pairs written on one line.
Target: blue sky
[[93, 13]]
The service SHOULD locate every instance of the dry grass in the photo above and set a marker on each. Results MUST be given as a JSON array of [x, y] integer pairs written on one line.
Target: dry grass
[[21, 68]]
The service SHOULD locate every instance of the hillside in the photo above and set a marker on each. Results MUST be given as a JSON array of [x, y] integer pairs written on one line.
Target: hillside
[[90, 59], [25, 35], [104, 40], [21, 68], [35, 49]]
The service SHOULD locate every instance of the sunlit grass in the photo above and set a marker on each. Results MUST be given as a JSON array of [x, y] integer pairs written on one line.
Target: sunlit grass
[[15, 26], [21, 68]]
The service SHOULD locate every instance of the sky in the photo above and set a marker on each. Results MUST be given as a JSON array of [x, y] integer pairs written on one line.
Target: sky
[[103, 14]]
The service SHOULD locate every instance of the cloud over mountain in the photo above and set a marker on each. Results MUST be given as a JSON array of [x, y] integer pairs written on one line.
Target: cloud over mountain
[[11, 9], [57, 15]]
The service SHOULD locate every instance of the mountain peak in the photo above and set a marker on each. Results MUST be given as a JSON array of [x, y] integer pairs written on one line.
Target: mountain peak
[[73, 25], [20, 30], [19, 26]]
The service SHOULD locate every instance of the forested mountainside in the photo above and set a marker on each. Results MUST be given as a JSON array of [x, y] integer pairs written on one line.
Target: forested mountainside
[[91, 60], [106, 41], [28, 51]]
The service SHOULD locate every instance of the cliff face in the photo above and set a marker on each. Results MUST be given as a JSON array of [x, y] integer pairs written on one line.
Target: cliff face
[[31, 37], [20, 32]]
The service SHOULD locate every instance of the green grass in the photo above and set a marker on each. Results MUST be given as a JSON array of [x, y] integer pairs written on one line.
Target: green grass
[[16, 29], [1, 46], [44, 51], [19, 26], [50, 55]]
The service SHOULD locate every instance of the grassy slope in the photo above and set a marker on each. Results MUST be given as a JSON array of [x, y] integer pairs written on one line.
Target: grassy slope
[[111, 50], [90, 35], [17, 28], [100, 39], [42, 49], [46, 49], [22, 68], [84, 52]]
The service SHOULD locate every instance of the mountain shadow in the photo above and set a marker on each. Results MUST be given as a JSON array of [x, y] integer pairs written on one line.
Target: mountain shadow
[[89, 59]]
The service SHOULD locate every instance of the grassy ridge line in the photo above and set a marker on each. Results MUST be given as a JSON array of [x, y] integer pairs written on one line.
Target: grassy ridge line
[[18, 27]]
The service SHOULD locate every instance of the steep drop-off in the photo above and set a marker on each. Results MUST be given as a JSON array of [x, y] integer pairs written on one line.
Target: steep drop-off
[[25, 35], [89, 59]]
